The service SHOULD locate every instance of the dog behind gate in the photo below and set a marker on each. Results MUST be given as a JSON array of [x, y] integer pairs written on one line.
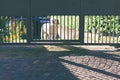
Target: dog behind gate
[[49, 30]]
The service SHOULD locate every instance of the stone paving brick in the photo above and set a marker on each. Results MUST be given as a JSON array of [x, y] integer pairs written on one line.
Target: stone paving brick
[[95, 65]]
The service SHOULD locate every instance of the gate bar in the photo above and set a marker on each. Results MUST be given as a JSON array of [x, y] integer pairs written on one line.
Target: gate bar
[[81, 29]]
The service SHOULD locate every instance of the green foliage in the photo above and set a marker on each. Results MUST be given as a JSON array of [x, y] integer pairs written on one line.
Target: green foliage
[[103, 25], [12, 29], [3, 27], [3, 20], [107, 25]]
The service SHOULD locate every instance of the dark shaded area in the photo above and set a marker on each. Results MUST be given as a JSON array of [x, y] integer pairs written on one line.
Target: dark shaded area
[[100, 7], [33, 63], [29, 69], [45, 7], [14, 7]]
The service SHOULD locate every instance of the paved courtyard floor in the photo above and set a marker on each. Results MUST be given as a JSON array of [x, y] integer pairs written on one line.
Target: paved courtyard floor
[[59, 63]]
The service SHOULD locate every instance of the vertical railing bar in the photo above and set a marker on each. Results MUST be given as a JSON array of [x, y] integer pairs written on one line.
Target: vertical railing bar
[[57, 28], [6, 31], [42, 34], [71, 25], [40, 25], [99, 36], [26, 29], [23, 28], [50, 28], [32, 29], [91, 28], [61, 27], [95, 30], [39, 28], [4, 36], [12, 30], [64, 27], [75, 28], [113, 28], [46, 30], [35, 28], [110, 32], [67, 37], [9, 30], [19, 31], [31, 22], [81, 29], [0, 23], [102, 29], [55, 17], [106, 32], [29, 19], [24, 21], [117, 33], [53, 27], [15, 31], [68, 26], [78, 27], [37, 25], [87, 30], [48, 33], [1, 30]]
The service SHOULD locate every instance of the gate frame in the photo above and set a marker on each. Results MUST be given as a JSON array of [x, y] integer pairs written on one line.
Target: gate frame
[[80, 41]]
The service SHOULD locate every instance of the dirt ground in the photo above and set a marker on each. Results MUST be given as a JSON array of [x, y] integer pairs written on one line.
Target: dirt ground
[[59, 62]]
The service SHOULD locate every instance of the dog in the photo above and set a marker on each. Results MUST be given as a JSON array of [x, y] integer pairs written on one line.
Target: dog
[[49, 30]]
